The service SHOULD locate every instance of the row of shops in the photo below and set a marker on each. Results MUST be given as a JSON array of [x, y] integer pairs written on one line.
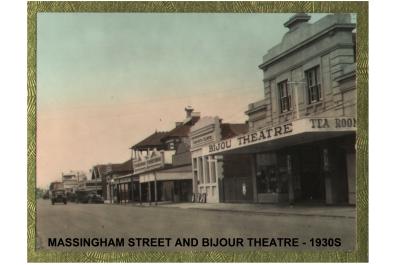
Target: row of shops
[[305, 165], [297, 145], [159, 169]]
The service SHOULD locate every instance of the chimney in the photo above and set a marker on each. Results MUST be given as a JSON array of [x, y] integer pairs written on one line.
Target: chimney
[[189, 111], [295, 21], [195, 114]]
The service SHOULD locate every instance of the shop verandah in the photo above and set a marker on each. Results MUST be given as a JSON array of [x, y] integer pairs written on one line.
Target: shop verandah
[[166, 185], [307, 165], [130, 190], [124, 189], [317, 172]]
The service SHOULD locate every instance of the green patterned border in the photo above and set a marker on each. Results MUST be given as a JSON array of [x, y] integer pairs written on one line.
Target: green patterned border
[[361, 252]]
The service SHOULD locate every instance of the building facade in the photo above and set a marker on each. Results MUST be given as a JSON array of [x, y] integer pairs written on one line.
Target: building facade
[[91, 185], [217, 178], [300, 146], [70, 182], [162, 163], [122, 185], [98, 174]]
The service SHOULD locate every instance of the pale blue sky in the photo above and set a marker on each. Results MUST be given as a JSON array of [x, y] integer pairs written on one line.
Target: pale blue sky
[[108, 80], [113, 57]]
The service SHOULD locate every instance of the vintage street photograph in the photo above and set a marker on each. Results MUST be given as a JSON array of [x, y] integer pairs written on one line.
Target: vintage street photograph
[[196, 131]]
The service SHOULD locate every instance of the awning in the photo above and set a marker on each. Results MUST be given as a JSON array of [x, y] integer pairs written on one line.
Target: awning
[[178, 173], [291, 133], [125, 179]]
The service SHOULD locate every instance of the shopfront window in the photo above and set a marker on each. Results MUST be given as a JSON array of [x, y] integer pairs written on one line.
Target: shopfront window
[[271, 175], [266, 179]]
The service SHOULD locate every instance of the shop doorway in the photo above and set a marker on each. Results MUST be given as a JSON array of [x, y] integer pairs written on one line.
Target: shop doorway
[[182, 190], [338, 176], [237, 182], [149, 192], [312, 179]]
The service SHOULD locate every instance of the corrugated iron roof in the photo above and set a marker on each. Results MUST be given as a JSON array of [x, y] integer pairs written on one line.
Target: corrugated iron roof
[[123, 167], [182, 130]]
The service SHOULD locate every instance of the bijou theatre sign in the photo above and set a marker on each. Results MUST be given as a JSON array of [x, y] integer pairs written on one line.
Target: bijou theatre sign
[[296, 127]]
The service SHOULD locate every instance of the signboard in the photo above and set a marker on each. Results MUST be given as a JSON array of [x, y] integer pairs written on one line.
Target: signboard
[[154, 161], [198, 141], [268, 134], [205, 131]]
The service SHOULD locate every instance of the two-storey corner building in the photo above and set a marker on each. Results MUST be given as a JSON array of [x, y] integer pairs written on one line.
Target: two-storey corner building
[[304, 74], [162, 163], [300, 146], [177, 179], [310, 76], [148, 155]]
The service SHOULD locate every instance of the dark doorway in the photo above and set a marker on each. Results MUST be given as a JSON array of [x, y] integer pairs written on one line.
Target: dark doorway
[[311, 174], [237, 181], [338, 175], [182, 190]]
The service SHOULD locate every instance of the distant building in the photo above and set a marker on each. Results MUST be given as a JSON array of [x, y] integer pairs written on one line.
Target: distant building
[[91, 185], [70, 182], [98, 174]]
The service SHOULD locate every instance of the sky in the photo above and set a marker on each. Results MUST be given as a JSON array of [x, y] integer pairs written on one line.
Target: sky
[[105, 81]]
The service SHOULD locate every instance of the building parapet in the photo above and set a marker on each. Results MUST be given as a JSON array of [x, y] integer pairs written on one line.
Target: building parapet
[[256, 106], [304, 35]]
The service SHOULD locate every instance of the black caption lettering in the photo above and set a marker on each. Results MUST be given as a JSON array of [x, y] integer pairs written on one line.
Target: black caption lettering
[[326, 242]]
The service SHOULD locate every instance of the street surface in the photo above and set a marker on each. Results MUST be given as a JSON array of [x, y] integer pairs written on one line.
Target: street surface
[[128, 221]]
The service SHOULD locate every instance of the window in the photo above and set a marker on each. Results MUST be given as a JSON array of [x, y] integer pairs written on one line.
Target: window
[[200, 172], [195, 174], [213, 164], [171, 146], [206, 170], [284, 96], [313, 85]]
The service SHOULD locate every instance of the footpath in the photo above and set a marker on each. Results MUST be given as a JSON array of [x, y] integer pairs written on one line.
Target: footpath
[[316, 210]]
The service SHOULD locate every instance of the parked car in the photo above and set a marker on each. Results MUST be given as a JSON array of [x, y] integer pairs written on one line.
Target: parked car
[[46, 195], [58, 196], [84, 196], [71, 196], [95, 198], [57, 193]]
